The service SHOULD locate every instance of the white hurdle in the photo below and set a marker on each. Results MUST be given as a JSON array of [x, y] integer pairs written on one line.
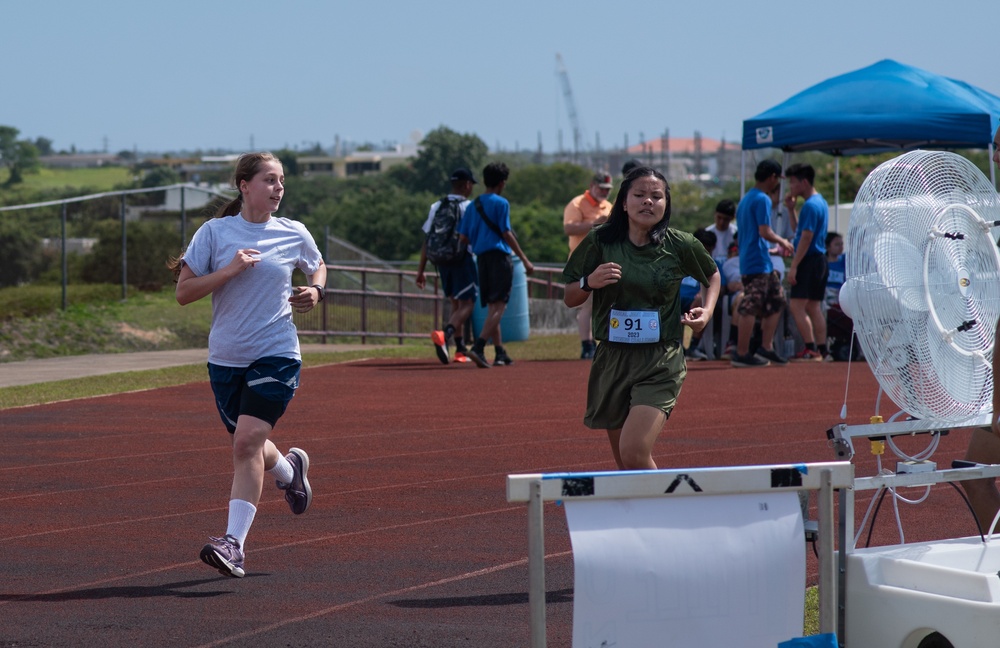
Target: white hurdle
[[826, 477]]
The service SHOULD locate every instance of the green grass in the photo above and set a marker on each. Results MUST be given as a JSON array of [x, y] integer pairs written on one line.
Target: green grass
[[95, 179], [554, 347], [812, 612], [32, 324], [49, 392]]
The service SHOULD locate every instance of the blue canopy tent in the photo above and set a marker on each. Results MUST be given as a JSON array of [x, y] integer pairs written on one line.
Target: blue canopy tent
[[883, 107]]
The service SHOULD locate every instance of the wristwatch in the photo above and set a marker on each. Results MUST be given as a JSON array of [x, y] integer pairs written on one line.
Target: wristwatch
[[321, 289], [584, 284]]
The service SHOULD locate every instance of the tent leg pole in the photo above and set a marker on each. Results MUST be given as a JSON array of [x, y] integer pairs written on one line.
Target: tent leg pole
[[743, 173], [993, 171]]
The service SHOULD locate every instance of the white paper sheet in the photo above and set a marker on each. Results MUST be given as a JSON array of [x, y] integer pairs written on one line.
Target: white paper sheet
[[691, 572]]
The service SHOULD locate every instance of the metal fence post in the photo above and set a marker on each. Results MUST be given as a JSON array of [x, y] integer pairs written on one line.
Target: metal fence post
[[183, 220], [124, 253], [65, 266], [364, 305], [400, 316]]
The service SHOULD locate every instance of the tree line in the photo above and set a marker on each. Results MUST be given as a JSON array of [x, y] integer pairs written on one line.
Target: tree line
[[380, 213]]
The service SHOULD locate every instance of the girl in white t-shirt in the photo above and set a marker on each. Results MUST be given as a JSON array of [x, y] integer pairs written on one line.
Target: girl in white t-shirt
[[244, 258]]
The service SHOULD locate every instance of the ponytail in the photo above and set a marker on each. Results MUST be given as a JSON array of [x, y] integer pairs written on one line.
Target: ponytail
[[230, 208]]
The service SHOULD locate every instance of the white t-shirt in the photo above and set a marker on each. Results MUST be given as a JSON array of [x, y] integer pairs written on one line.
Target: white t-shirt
[[731, 270], [723, 240], [251, 315]]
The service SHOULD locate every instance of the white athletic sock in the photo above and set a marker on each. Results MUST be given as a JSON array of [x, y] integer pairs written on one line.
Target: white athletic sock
[[241, 514], [282, 470]]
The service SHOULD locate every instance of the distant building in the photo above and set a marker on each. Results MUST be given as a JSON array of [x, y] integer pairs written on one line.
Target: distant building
[[358, 163], [80, 160], [198, 169], [690, 158]]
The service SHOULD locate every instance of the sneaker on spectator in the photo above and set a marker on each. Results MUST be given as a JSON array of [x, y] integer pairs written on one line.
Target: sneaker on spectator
[[502, 360], [748, 360], [477, 356], [461, 358], [828, 358], [730, 351], [771, 356], [440, 345], [807, 355], [298, 493], [694, 353], [225, 555]]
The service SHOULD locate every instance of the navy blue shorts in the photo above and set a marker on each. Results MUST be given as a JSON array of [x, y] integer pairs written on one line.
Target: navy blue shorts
[[459, 281], [810, 278], [496, 277], [262, 390]]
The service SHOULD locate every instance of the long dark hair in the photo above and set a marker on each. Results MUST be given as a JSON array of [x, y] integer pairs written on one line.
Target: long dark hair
[[616, 228]]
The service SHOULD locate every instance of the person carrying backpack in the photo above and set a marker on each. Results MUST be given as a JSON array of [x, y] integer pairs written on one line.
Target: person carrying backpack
[[453, 261]]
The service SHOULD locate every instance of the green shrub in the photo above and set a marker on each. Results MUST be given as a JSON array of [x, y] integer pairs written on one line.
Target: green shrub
[[148, 246]]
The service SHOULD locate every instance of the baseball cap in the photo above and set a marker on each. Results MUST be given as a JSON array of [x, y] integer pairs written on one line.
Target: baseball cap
[[602, 180], [462, 173]]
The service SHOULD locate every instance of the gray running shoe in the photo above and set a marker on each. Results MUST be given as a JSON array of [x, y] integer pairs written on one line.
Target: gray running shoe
[[502, 360], [771, 356], [478, 357], [298, 493], [225, 555], [694, 353], [748, 360]]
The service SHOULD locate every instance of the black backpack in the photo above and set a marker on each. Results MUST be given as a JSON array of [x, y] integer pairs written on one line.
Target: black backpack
[[443, 246]]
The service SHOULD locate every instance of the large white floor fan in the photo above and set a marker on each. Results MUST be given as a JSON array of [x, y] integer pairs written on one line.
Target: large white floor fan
[[923, 283], [923, 289]]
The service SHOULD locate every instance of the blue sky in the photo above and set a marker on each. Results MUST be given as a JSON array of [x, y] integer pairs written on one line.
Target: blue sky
[[222, 74]]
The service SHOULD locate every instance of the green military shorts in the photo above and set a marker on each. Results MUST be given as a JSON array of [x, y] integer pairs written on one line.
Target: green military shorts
[[626, 375]]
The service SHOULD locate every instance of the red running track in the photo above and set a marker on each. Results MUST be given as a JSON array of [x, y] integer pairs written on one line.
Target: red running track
[[410, 541]]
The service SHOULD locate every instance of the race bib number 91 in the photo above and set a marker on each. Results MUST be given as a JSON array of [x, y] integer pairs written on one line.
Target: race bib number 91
[[634, 327]]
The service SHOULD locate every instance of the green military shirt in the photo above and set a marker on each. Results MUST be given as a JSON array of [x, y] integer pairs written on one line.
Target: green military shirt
[[651, 277]]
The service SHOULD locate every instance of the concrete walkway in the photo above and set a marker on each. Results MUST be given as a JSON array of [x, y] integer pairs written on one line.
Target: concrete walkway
[[29, 372]]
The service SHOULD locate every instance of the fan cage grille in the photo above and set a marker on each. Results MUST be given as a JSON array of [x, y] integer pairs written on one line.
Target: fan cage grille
[[923, 279]]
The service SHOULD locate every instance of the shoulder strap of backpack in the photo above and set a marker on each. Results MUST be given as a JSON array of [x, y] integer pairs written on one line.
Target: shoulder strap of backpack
[[482, 214], [448, 201]]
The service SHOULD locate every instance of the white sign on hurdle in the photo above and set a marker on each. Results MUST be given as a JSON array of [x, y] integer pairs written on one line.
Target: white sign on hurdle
[[534, 489]]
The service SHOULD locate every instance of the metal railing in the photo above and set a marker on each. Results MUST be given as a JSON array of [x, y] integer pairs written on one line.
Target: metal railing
[[122, 194], [368, 304]]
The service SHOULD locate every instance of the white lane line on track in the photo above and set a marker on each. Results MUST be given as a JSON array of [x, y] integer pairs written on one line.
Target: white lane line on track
[[376, 597], [263, 548]]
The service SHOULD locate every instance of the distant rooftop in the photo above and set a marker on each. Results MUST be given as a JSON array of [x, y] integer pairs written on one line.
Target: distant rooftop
[[683, 146]]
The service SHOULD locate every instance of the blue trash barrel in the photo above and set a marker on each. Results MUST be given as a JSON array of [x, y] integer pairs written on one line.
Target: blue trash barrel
[[515, 324]]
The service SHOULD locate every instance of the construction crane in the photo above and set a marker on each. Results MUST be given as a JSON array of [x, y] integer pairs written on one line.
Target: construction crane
[[570, 104]]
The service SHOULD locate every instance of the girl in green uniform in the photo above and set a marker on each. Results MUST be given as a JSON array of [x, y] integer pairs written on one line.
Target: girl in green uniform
[[633, 265]]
